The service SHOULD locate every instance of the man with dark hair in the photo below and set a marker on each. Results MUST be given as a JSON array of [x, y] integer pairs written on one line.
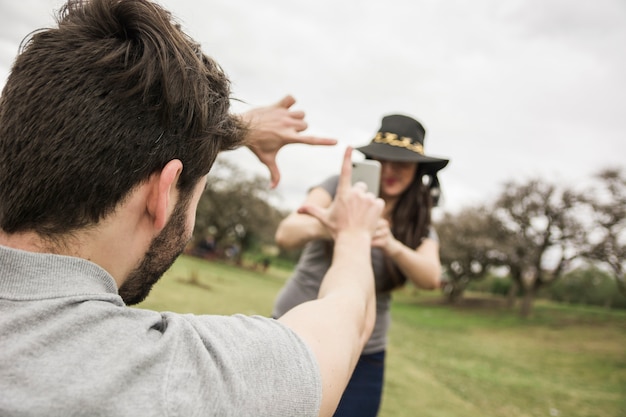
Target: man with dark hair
[[109, 124]]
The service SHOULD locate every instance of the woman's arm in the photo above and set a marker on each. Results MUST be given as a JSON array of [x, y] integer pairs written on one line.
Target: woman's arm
[[297, 229], [421, 266]]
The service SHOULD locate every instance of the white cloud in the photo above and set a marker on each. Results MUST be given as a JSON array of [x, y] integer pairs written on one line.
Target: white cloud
[[505, 89]]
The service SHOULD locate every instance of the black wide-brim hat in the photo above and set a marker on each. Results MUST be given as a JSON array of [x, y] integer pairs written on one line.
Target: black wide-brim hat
[[401, 139]]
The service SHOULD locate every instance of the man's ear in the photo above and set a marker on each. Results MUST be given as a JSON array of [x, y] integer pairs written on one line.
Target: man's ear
[[164, 193]]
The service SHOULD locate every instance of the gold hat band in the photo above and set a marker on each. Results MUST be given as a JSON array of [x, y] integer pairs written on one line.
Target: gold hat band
[[403, 142]]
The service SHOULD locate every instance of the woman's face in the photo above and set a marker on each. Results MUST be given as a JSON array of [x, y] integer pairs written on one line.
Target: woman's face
[[395, 177]]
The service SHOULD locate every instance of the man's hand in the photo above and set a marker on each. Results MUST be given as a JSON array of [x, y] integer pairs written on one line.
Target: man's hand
[[274, 126], [353, 209]]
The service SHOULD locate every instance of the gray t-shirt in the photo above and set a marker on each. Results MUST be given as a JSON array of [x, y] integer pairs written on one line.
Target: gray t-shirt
[[304, 283], [70, 347]]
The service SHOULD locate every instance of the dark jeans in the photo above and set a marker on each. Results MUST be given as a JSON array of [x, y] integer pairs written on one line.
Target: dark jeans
[[363, 394]]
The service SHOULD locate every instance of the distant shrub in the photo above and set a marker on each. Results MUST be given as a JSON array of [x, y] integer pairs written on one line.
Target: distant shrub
[[501, 286], [491, 284], [588, 285]]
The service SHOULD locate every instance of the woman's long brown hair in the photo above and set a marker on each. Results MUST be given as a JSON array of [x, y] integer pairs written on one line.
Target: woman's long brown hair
[[410, 221]]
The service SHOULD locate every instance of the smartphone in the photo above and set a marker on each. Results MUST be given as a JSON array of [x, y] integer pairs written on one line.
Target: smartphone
[[367, 171]]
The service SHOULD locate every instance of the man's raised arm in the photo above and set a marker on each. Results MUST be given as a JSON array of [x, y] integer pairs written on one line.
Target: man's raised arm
[[337, 324]]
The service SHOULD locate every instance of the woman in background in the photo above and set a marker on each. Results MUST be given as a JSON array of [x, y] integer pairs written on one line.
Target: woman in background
[[404, 248]]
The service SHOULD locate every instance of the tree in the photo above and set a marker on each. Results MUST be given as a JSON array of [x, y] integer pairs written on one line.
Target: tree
[[541, 234], [235, 210], [468, 241], [607, 200]]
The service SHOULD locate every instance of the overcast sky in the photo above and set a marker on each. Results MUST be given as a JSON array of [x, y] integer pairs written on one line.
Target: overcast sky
[[508, 90]]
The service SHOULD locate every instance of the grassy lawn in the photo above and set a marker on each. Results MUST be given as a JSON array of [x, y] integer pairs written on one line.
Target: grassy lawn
[[475, 359]]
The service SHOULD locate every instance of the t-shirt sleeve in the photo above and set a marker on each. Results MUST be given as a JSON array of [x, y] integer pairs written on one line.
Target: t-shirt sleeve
[[432, 234], [329, 184], [241, 366]]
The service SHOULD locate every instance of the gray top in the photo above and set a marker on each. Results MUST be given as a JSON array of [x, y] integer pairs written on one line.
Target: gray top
[[70, 347], [304, 283]]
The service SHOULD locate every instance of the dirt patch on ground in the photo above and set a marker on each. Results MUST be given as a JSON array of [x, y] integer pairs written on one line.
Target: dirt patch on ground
[[193, 280], [478, 303]]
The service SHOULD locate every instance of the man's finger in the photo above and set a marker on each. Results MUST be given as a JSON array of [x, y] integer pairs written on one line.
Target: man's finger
[[345, 179], [274, 173], [313, 140], [311, 211], [286, 102], [298, 124], [297, 114], [361, 185]]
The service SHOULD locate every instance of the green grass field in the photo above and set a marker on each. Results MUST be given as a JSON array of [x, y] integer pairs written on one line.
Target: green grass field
[[476, 359]]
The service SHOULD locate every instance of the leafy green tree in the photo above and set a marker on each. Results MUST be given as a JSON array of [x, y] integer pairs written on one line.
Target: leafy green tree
[[541, 234], [467, 247], [235, 211], [607, 200], [536, 230]]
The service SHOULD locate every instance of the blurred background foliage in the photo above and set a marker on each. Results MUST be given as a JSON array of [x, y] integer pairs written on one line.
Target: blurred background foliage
[[536, 239]]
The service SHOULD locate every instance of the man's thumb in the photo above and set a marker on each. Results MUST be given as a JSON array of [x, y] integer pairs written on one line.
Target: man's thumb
[[311, 211]]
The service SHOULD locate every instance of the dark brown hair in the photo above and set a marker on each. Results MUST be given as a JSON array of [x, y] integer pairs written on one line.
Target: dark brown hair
[[410, 222], [96, 105]]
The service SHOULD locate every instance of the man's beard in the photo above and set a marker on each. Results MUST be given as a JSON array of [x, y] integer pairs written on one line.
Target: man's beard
[[161, 254]]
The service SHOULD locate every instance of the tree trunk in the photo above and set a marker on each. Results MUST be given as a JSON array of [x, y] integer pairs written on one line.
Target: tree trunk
[[455, 294], [527, 301], [512, 294], [453, 290], [621, 280]]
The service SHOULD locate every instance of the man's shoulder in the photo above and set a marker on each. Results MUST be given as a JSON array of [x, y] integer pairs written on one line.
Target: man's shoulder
[[244, 359]]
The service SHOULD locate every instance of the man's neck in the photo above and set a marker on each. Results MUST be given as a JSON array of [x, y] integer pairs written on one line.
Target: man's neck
[[102, 245], [31, 242]]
